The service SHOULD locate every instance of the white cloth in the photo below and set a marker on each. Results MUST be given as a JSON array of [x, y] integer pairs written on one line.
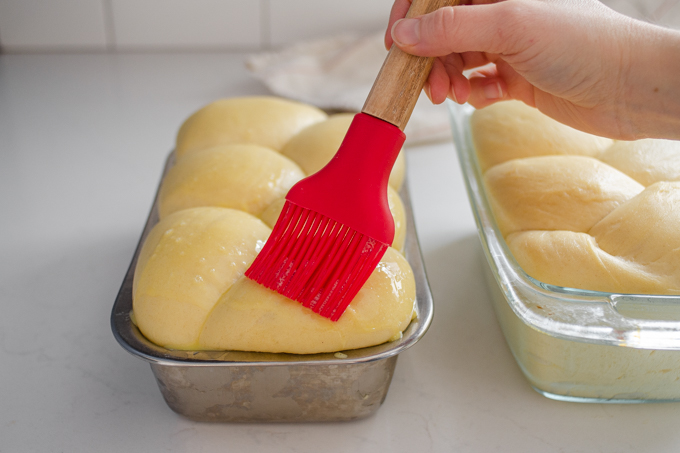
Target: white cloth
[[337, 74]]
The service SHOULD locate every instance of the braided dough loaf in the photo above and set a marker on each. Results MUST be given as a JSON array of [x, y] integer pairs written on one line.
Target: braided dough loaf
[[584, 215], [189, 290]]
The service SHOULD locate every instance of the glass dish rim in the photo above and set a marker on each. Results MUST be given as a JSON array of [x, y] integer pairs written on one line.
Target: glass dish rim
[[612, 315]]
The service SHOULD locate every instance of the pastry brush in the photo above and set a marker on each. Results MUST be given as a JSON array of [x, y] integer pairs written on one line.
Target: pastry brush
[[336, 224]]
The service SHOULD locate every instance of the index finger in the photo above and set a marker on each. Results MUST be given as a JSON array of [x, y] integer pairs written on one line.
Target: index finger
[[401, 7]]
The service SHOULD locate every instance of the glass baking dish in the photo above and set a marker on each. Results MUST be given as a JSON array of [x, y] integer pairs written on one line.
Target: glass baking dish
[[572, 344], [236, 386]]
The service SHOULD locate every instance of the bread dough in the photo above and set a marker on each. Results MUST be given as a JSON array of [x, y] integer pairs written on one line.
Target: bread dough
[[574, 260], [189, 279], [190, 275], [263, 120], [511, 130], [545, 205], [548, 210], [555, 193], [271, 215], [245, 177], [399, 216], [187, 262], [646, 161], [316, 145], [646, 230], [250, 317]]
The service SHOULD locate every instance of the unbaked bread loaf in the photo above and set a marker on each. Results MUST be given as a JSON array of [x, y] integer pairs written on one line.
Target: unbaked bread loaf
[[555, 192], [259, 120], [605, 222], [574, 260], [187, 262], [646, 231], [189, 290], [245, 177], [647, 161], [511, 130], [250, 314]]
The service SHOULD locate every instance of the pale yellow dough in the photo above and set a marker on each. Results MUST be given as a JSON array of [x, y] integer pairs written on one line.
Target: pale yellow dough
[[188, 261], [511, 130], [244, 177], [577, 222], [646, 230], [555, 193], [189, 281], [250, 317], [271, 215], [574, 260], [646, 161], [316, 145], [634, 249], [399, 216], [266, 121]]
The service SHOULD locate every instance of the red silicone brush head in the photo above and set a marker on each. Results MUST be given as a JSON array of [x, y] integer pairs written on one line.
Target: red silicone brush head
[[315, 260], [336, 224]]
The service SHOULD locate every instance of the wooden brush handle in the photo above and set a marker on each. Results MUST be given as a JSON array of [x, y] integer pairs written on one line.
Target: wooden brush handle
[[402, 76]]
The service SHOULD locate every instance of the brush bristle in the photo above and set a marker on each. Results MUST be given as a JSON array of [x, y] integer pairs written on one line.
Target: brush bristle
[[316, 261]]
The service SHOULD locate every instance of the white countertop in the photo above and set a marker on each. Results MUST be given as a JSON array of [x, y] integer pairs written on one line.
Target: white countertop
[[82, 142]]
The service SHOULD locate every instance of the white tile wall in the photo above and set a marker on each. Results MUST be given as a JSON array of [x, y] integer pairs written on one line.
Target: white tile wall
[[28, 25], [296, 20], [100, 25], [154, 24]]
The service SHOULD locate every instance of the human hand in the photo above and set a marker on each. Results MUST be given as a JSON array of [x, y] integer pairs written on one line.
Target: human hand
[[575, 60]]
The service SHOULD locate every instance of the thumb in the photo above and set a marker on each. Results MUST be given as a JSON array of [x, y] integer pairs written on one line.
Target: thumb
[[493, 28]]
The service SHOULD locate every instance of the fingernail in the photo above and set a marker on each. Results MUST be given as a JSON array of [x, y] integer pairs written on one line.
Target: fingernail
[[452, 93], [428, 93], [406, 32], [493, 91]]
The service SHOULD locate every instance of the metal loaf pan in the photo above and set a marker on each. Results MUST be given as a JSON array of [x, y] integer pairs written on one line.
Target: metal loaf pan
[[235, 386]]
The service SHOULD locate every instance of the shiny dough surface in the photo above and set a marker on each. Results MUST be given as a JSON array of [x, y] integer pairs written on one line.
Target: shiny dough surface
[[190, 292], [251, 317], [188, 261], [189, 289], [245, 177]]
